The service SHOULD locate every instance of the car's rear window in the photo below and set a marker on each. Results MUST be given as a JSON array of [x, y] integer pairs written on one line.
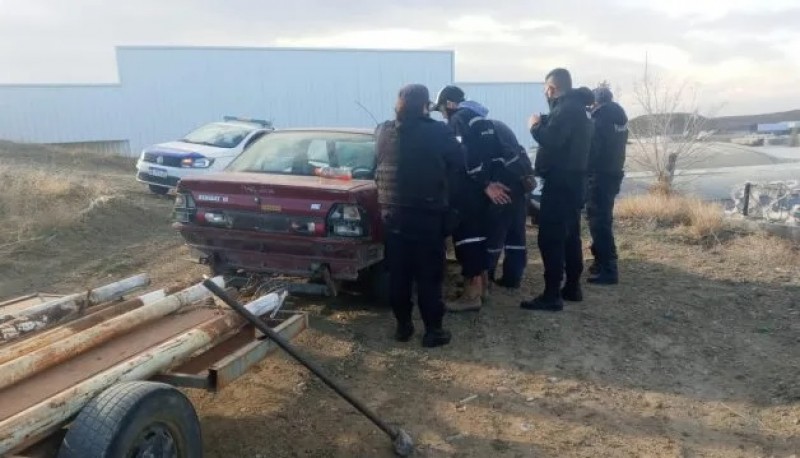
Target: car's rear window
[[304, 152]]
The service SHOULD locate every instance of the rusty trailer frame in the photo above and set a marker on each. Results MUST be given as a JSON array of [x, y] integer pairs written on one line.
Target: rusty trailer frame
[[221, 348]]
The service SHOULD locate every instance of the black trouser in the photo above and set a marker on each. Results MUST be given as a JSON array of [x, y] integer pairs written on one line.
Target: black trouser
[[469, 237], [417, 261], [560, 235], [602, 191]]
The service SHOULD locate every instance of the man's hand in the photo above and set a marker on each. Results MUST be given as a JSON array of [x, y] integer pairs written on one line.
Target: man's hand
[[498, 193], [535, 120]]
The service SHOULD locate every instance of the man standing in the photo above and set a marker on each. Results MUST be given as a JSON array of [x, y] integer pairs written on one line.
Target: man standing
[[564, 138], [415, 157], [475, 192], [507, 230], [606, 164]]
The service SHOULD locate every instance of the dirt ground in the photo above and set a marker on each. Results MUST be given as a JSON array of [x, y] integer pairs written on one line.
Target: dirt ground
[[694, 354]]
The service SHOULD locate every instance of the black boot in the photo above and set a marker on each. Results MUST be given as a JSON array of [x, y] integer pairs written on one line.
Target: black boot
[[506, 283], [572, 292], [546, 302], [436, 338], [607, 275], [594, 268], [404, 332]]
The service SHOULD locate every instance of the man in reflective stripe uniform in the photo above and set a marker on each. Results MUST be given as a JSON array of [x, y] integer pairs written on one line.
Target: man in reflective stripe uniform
[[476, 192], [507, 230], [416, 156]]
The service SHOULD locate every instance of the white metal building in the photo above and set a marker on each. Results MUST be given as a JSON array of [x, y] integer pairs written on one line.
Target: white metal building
[[164, 92]]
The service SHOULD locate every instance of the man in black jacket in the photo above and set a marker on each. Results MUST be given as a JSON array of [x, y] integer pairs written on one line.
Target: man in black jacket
[[416, 156], [606, 163], [476, 193], [564, 138]]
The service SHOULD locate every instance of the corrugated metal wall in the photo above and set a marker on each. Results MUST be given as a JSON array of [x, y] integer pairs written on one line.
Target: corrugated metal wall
[[512, 103], [164, 92]]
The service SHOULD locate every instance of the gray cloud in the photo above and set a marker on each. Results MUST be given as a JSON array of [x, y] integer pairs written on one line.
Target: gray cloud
[[55, 41]]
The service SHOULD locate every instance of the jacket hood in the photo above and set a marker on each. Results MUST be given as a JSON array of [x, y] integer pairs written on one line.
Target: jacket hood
[[474, 107], [611, 111]]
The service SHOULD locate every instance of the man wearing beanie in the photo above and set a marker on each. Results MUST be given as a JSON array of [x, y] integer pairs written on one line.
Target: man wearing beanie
[[416, 156], [606, 163], [476, 193]]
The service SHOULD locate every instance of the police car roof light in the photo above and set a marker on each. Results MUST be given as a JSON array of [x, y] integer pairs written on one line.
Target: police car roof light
[[260, 122]]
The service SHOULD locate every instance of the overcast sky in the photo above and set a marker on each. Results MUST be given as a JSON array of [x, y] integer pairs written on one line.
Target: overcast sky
[[742, 55]]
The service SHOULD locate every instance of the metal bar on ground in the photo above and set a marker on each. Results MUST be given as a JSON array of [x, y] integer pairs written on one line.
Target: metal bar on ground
[[26, 365], [183, 380], [27, 427]]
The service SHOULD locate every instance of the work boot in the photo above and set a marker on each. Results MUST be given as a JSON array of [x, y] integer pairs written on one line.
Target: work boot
[[572, 292], [471, 299], [606, 275], [545, 303], [436, 338], [594, 267], [404, 332]]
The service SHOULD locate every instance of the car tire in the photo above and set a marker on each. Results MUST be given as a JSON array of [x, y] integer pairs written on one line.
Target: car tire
[[153, 419], [159, 190], [533, 212]]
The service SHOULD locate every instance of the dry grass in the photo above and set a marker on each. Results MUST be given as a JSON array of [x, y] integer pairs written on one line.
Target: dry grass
[[692, 216], [34, 203], [62, 157], [764, 250]]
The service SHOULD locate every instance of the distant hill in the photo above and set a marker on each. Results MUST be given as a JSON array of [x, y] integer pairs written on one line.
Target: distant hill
[[743, 123]]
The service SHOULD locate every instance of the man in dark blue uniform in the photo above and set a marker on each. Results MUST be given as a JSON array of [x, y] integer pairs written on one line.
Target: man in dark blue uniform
[[416, 156], [476, 193], [564, 138], [506, 233], [606, 164]]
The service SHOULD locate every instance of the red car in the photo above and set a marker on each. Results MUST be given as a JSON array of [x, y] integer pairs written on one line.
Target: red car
[[297, 202]]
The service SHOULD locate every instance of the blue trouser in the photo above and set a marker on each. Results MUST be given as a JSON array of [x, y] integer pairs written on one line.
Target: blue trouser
[[469, 237], [603, 189], [507, 234]]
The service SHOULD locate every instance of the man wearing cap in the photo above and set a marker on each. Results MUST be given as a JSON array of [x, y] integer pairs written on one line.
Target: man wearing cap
[[564, 138], [416, 156], [476, 193], [606, 164]]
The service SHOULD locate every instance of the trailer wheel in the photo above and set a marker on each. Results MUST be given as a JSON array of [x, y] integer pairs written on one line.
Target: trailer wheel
[[135, 420]]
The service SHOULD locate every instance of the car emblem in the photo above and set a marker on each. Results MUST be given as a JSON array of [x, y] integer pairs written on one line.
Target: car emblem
[[160, 159]]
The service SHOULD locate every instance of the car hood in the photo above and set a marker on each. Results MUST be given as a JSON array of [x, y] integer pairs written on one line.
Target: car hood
[[185, 149]]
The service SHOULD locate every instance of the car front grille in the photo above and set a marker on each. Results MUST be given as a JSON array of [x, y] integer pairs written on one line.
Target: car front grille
[[167, 160]]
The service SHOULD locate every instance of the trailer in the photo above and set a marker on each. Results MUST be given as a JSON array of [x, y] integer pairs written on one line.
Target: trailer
[[98, 373]]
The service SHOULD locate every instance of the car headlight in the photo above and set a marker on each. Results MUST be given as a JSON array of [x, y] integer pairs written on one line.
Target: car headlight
[[198, 162]]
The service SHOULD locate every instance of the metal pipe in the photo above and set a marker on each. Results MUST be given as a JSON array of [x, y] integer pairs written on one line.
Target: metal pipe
[[51, 313], [20, 368], [48, 416], [49, 337]]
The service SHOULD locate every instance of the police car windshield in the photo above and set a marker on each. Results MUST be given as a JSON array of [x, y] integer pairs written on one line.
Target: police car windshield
[[221, 135], [303, 152]]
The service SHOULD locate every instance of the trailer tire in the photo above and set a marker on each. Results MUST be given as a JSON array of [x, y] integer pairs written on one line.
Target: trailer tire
[[135, 416]]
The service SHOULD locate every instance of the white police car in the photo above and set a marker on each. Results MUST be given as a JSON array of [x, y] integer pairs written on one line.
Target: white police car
[[209, 148]]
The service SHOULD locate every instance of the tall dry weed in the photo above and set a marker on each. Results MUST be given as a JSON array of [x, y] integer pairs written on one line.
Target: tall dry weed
[[694, 217]]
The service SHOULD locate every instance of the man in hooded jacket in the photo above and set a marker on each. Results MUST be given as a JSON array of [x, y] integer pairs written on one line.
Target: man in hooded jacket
[[475, 194], [606, 164]]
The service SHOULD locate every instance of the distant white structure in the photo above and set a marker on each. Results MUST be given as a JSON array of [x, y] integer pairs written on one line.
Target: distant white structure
[[164, 92], [779, 127]]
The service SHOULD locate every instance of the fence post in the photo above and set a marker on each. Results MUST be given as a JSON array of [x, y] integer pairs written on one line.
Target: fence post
[[746, 207]]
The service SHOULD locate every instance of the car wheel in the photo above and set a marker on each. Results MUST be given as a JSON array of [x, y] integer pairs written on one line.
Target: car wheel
[[533, 212], [160, 190], [135, 419]]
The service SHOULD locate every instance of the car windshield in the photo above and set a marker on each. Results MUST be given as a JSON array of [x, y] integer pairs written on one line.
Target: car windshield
[[304, 152], [221, 135]]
